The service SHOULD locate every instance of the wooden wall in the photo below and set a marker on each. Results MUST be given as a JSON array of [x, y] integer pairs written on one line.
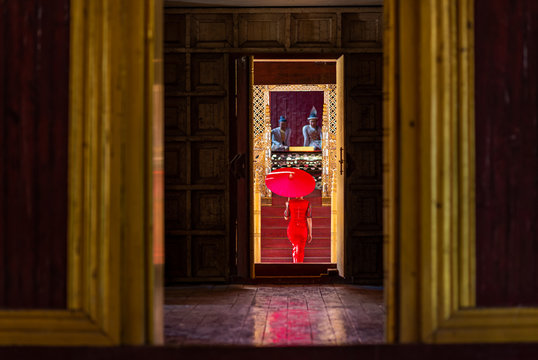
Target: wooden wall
[[34, 65], [506, 63], [201, 46]]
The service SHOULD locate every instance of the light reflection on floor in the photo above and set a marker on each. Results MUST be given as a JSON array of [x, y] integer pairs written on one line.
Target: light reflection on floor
[[274, 315]]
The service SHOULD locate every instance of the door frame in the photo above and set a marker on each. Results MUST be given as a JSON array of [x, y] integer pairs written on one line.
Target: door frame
[[429, 119], [336, 244]]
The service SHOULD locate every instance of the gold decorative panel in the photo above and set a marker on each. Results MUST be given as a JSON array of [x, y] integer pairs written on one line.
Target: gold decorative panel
[[208, 210], [208, 71], [313, 30], [208, 163], [262, 30], [207, 116], [362, 29], [212, 30]]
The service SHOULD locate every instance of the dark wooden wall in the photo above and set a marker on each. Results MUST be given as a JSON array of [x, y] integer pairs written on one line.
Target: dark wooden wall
[[34, 61], [295, 106], [506, 56]]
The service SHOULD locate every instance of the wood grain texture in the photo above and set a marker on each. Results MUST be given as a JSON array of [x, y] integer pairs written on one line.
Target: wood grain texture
[[364, 159], [506, 152], [286, 73], [33, 153]]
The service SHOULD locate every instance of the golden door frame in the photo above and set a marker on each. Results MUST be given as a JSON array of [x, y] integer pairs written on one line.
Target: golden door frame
[[114, 237], [430, 181], [260, 143]]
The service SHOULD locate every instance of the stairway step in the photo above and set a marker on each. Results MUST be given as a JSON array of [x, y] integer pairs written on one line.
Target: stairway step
[[284, 242], [278, 211], [287, 269], [317, 232], [283, 252], [289, 260]]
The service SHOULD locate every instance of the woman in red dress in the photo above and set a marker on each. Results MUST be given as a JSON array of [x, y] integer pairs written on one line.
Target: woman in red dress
[[299, 227]]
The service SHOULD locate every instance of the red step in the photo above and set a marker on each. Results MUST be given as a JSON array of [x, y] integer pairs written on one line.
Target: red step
[[275, 246], [284, 242], [317, 232]]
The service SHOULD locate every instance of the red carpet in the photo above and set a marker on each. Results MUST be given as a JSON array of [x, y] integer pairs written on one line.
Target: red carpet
[[275, 245]]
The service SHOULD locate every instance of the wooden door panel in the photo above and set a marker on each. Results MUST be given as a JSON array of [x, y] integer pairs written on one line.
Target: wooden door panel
[[208, 163], [365, 116], [362, 29], [366, 207], [211, 30], [365, 74], [208, 115], [371, 254], [176, 256], [176, 162], [364, 178], [506, 63], [174, 73], [313, 30], [174, 30], [175, 116], [34, 127], [208, 210], [262, 30], [207, 72], [209, 256], [175, 209], [364, 164], [196, 148]]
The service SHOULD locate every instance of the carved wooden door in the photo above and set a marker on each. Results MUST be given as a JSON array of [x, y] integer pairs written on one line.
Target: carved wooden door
[[364, 178], [196, 153]]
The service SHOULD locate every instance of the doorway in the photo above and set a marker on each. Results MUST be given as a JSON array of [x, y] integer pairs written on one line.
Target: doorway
[[208, 226], [290, 91], [208, 161]]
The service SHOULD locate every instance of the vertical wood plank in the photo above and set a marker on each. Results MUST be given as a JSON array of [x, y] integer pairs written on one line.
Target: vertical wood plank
[[506, 65], [33, 147]]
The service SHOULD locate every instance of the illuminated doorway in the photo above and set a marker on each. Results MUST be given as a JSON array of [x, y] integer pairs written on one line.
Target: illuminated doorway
[[275, 93]]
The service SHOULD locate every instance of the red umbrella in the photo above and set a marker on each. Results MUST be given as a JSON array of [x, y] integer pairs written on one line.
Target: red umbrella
[[290, 182]]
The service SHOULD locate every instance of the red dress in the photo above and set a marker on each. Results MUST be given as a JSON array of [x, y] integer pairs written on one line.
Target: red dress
[[298, 211]]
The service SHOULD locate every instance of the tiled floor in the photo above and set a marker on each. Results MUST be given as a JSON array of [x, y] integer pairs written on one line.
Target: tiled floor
[[274, 315]]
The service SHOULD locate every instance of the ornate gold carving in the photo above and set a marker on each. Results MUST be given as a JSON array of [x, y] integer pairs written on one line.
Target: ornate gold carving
[[262, 135]]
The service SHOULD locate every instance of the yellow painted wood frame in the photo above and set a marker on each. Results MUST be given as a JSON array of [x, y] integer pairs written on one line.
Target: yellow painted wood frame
[[429, 103], [112, 285]]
